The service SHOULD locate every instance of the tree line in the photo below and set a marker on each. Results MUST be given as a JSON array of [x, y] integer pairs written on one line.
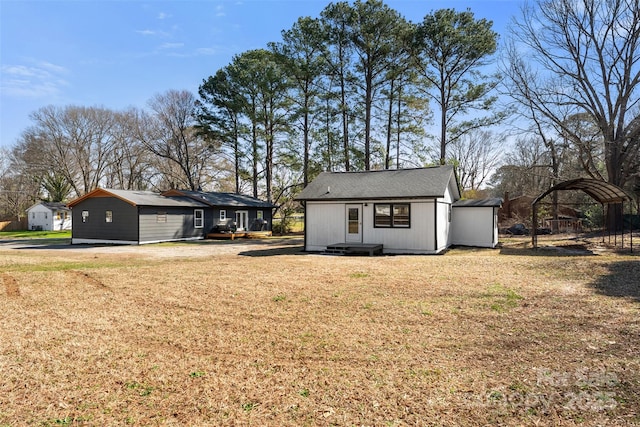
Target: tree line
[[361, 88]]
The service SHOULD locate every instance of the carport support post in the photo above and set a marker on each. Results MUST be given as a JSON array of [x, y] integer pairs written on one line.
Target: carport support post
[[622, 222], [534, 221], [603, 223], [633, 220]]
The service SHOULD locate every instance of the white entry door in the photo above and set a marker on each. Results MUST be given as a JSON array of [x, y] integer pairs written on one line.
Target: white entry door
[[354, 224], [242, 220]]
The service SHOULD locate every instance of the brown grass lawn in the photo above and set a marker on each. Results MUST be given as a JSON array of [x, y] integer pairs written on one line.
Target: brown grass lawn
[[281, 338]]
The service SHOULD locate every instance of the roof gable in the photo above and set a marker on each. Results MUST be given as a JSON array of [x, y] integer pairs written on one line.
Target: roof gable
[[52, 206], [383, 184]]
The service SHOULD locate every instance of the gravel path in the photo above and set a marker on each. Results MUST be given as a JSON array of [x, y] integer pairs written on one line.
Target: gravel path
[[200, 248]]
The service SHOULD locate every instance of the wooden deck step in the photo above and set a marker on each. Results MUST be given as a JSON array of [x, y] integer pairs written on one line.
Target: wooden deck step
[[354, 248]]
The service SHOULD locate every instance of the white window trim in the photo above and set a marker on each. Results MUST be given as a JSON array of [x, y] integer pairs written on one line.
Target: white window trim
[[223, 215], [197, 220]]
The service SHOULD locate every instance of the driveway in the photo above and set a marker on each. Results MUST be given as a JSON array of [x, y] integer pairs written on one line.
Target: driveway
[[199, 248]]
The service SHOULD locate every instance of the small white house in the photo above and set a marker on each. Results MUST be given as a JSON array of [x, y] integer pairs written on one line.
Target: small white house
[[405, 211], [49, 216]]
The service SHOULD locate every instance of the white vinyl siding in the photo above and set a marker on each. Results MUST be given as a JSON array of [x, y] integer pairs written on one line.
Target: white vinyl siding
[[475, 226], [325, 224], [417, 239]]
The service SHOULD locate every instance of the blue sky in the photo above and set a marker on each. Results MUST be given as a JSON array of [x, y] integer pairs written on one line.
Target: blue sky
[[120, 53]]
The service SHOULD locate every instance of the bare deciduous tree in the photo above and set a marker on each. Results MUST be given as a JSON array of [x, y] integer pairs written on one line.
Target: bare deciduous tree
[[170, 133], [131, 166], [75, 142], [580, 58], [477, 154]]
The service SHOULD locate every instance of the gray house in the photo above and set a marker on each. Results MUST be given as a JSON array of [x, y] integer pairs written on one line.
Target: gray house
[[403, 211], [248, 213], [138, 217]]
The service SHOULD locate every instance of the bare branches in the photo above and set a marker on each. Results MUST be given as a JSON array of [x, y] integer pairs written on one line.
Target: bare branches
[[585, 54]]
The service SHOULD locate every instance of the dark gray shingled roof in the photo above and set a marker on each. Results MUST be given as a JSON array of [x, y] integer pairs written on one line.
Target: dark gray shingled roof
[[382, 184], [474, 203], [149, 198], [141, 198], [225, 199]]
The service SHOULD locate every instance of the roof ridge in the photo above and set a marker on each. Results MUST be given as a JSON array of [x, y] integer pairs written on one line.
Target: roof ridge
[[390, 170]]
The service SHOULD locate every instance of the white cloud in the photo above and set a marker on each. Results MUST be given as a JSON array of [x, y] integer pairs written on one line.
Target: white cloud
[[146, 32], [220, 10], [36, 80], [153, 33], [163, 15], [171, 45], [206, 51], [52, 67]]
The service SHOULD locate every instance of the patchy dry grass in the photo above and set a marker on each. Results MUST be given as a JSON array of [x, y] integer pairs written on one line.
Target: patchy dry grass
[[473, 337]]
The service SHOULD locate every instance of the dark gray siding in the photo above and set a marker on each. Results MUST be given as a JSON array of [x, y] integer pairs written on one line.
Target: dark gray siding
[[124, 225], [252, 212], [179, 224], [267, 216]]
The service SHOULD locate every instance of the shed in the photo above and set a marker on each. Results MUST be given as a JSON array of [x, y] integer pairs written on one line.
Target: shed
[[475, 222], [405, 210], [49, 216]]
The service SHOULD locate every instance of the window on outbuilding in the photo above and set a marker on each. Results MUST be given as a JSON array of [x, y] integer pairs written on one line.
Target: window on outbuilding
[[223, 215], [382, 216], [85, 216], [108, 216], [401, 215], [396, 215]]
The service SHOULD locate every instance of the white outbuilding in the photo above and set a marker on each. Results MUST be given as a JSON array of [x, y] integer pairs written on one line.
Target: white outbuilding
[[404, 211], [475, 222], [49, 216]]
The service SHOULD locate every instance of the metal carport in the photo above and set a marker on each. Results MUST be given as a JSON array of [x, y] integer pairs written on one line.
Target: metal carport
[[603, 192]]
